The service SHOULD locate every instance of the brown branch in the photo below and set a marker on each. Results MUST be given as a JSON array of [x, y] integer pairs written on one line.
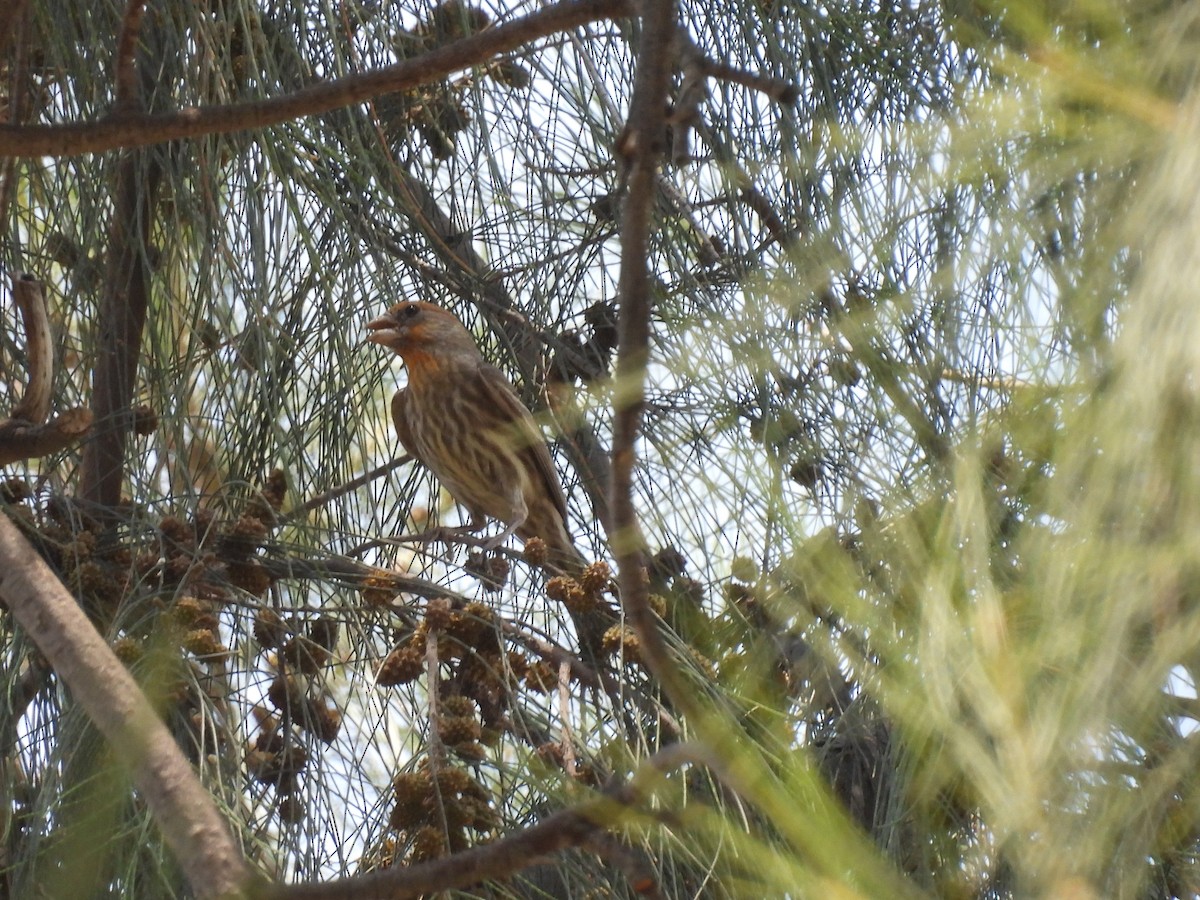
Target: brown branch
[[570, 764], [34, 406], [568, 828], [641, 147], [777, 89], [14, 25], [9, 14], [552, 653], [122, 314], [27, 434], [20, 440], [113, 701], [138, 130], [128, 94], [288, 568]]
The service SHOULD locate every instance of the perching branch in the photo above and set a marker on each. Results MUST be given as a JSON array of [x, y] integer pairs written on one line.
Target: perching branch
[[113, 701], [140, 129], [26, 434]]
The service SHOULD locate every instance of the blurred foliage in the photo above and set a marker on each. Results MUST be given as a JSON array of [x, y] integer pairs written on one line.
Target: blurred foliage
[[916, 469]]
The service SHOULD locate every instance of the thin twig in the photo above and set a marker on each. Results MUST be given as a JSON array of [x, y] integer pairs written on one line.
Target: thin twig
[[437, 749], [570, 765], [352, 485], [139, 130], [285, 568], [552, 653]]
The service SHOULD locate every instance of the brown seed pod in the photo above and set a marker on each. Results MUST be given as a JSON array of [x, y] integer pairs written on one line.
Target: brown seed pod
[[541, 677], [128, 650], [287, 694], [377, 590], [202, 642], [269, 628], [323, 631], [145, 420], [536, 553], [437, 613], [304, 655], [412, 790], [175, 531], [470, 751], [451, 780], [428, 843], [323, 720], [250, 576], [459, 706], [459, 729], [291, 809], [595, 578], [404, 664]]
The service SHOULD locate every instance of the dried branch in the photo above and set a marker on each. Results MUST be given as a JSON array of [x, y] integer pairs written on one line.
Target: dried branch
[[692, 57], [565, 829], [140, 129], [26, 434], [113, 701], [570, 764]]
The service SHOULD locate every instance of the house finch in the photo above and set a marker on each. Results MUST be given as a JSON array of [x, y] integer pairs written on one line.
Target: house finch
[[461, 417]]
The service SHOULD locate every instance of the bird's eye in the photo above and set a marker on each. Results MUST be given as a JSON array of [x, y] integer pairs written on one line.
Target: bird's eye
[[411, 310]]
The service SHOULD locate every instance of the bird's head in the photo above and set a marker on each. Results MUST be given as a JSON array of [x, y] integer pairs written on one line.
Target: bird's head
[[426, 336]]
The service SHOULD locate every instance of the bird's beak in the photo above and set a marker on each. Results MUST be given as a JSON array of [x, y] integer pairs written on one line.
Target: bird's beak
[[384, 330]]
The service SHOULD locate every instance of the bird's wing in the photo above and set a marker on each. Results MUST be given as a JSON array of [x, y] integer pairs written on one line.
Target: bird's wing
[[527, 439], [400, 417]]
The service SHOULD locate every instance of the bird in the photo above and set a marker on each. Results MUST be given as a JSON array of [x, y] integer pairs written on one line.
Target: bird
[[462, 419]]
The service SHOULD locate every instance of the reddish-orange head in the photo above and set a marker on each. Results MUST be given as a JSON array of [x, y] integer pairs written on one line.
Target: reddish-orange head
[[427, 337]]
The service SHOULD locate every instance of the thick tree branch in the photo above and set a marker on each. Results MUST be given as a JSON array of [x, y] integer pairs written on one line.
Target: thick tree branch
[[112, 700], [138, 130]]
